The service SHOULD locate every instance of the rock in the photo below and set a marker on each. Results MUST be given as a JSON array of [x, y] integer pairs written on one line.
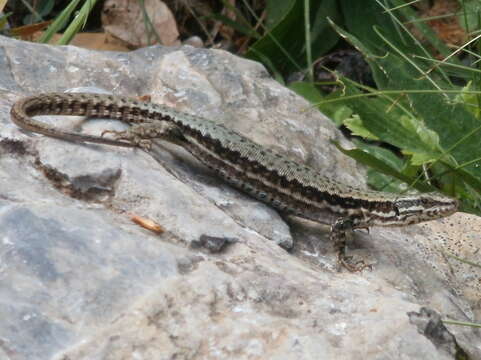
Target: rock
[[430, 324], [79, 280]]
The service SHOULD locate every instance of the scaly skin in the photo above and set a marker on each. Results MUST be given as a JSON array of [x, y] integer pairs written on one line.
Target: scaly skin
[[273, 178]]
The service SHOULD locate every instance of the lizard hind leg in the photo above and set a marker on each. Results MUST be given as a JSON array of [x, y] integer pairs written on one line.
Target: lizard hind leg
[[141, 135]]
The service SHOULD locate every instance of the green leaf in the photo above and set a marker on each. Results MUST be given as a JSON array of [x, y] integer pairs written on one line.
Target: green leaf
[[427, 137], [392, 125], [379, 165], [276, 11], [384, 155], [471, 101], [59, 22], [457, 130], [384, 181], [307, 91], [357, 128], [470, 17], [339, 114], [323, 37], [42, 8], [78, 22]]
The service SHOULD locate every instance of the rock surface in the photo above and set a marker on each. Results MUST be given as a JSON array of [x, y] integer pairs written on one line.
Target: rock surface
[[80, 280]]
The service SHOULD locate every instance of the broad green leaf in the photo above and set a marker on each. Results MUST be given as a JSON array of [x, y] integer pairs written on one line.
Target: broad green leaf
[[339, 114], [378, 180], [307, 91], [471, 101], [392, 125], [356, 126], [323, 37], [379, 165], [457, 129], [276, 11], [382, 182], [470, 16], [384, 155], [428, 137]]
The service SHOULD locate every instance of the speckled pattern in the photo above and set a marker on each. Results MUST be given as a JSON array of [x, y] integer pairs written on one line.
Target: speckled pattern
[[452, 238]]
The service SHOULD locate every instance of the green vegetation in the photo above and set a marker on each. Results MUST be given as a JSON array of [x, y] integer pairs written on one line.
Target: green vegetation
[[419, 126]]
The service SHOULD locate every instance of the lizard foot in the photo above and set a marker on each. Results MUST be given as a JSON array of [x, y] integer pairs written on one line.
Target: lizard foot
[[347, 263], [131, 135], [341, 230]]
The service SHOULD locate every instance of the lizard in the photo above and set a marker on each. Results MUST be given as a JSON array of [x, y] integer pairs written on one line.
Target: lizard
[[288, 186]]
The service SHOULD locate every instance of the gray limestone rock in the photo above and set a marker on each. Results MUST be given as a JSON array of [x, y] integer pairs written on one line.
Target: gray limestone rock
[[80, 280]]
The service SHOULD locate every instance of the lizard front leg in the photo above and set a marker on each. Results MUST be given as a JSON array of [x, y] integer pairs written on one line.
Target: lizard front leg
[[341, 230]]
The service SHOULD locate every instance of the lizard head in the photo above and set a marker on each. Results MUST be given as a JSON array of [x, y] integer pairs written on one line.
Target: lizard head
[[416, 208]]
